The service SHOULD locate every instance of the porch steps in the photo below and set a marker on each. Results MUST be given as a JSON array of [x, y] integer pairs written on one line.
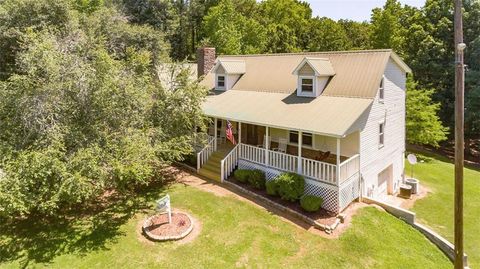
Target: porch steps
[[211, 169]]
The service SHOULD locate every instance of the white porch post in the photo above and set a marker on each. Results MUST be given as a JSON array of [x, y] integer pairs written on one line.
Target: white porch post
[[266, 145], [215, 133], [299, 160], [338, 161], [239, 132]]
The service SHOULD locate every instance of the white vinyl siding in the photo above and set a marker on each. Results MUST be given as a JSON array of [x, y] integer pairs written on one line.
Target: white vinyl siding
[[374, 159]]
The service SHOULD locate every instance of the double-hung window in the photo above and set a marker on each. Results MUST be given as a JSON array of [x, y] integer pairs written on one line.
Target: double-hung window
[[307, 138], [221, 82], [381, 134], [306, 85], [381, 90]]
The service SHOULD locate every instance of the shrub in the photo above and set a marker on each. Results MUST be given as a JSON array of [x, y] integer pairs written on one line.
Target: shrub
[[290, 186], [271, 187], [311, 203], [257, 179], [242, 175]]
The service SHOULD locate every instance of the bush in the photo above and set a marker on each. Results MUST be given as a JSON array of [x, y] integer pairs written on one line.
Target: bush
[[311, 203], [242, 175], [271, 187], [257, 179], [290, 186]]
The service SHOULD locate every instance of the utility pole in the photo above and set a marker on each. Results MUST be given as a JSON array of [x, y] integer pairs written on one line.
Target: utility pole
[[459, 133]]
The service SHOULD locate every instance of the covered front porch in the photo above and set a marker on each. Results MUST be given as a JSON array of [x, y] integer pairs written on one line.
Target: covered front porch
[[326, 159]]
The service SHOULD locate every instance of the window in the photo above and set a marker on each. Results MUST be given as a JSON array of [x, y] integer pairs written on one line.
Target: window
[[307, 85], [381, 134], [307, 138], [381, 90], [220, 82]]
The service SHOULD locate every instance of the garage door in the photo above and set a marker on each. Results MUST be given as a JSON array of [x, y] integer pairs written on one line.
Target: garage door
[[383, 178]]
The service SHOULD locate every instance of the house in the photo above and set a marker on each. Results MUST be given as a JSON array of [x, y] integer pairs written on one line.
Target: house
[[337, 118]]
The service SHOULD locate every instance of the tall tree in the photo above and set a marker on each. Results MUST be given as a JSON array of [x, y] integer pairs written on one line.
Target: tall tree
[[423, 125], [231, 32], [358, 33], [326, 35], [287, 24], [387, 31]]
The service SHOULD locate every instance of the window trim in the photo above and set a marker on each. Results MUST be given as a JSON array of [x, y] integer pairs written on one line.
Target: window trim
[[381, 90], [224, 82], [305, 93], [303, 145], [381, 134]]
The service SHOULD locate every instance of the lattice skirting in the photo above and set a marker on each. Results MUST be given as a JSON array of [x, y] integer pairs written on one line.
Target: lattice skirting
[[328, 192], [349, 191]]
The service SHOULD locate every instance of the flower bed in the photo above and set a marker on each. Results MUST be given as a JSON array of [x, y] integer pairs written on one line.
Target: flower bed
[[157, 227], [322, 216]]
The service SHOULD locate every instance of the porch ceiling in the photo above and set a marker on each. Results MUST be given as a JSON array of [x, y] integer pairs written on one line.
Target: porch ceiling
[[325, 115]]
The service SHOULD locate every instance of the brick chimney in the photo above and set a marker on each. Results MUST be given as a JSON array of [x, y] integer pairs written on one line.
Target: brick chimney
[[205, 60]]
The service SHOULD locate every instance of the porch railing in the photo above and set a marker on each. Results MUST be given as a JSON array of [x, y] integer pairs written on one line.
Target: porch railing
[[252, 153], [349, 167], [206, 152], [228, 164], [282, 161], [319, 170]]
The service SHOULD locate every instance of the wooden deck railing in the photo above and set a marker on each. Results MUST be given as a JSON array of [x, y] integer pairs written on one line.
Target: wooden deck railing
[[282, 161], [319, 170], [252, 153], [228, 164], [206, 152], [349, 167]]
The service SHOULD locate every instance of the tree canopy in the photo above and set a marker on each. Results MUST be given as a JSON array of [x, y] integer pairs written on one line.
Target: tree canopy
[[82, 108]]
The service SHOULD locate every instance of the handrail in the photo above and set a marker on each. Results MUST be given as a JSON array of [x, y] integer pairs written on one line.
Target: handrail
[[252, 153], [206, 152], [282, 161], [318, 170], [349, 167], [228, 164]]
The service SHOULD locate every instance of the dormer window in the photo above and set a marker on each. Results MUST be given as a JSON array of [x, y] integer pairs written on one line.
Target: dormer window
[[227, 73], [381, 90], [306, 84], [313, 76], [220, 82]]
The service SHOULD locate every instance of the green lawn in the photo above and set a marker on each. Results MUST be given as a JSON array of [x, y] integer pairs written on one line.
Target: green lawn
[[234, 234], [437, 209]]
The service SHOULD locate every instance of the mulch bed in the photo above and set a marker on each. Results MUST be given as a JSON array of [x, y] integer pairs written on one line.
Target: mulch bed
[[322, 216], [159, 225]]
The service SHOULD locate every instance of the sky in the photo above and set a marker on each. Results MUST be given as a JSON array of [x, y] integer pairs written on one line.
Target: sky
[[357, 10]]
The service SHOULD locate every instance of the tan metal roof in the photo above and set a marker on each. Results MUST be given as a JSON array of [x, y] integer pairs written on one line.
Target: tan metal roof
[[231, 66], [326, 115], [357, 73], [321, 66]]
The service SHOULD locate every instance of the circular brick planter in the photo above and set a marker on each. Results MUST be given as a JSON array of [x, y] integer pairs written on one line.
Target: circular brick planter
[[157, 227]]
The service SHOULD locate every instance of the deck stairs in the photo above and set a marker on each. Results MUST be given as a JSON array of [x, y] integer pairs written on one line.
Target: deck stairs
[[211, 169]]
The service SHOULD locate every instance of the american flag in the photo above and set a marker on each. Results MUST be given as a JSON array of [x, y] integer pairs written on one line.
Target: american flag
[[229, 133]]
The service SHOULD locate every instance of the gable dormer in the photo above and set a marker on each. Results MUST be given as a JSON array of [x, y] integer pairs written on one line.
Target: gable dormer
[[313, 75], [227, 73]]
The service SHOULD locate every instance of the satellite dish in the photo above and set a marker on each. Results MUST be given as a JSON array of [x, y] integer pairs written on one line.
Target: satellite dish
[[412, 159]]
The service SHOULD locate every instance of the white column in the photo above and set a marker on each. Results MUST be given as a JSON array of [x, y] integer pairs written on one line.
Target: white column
[[215, 133], [239, 132], [300, 143], [338, 161], [267, 145]]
